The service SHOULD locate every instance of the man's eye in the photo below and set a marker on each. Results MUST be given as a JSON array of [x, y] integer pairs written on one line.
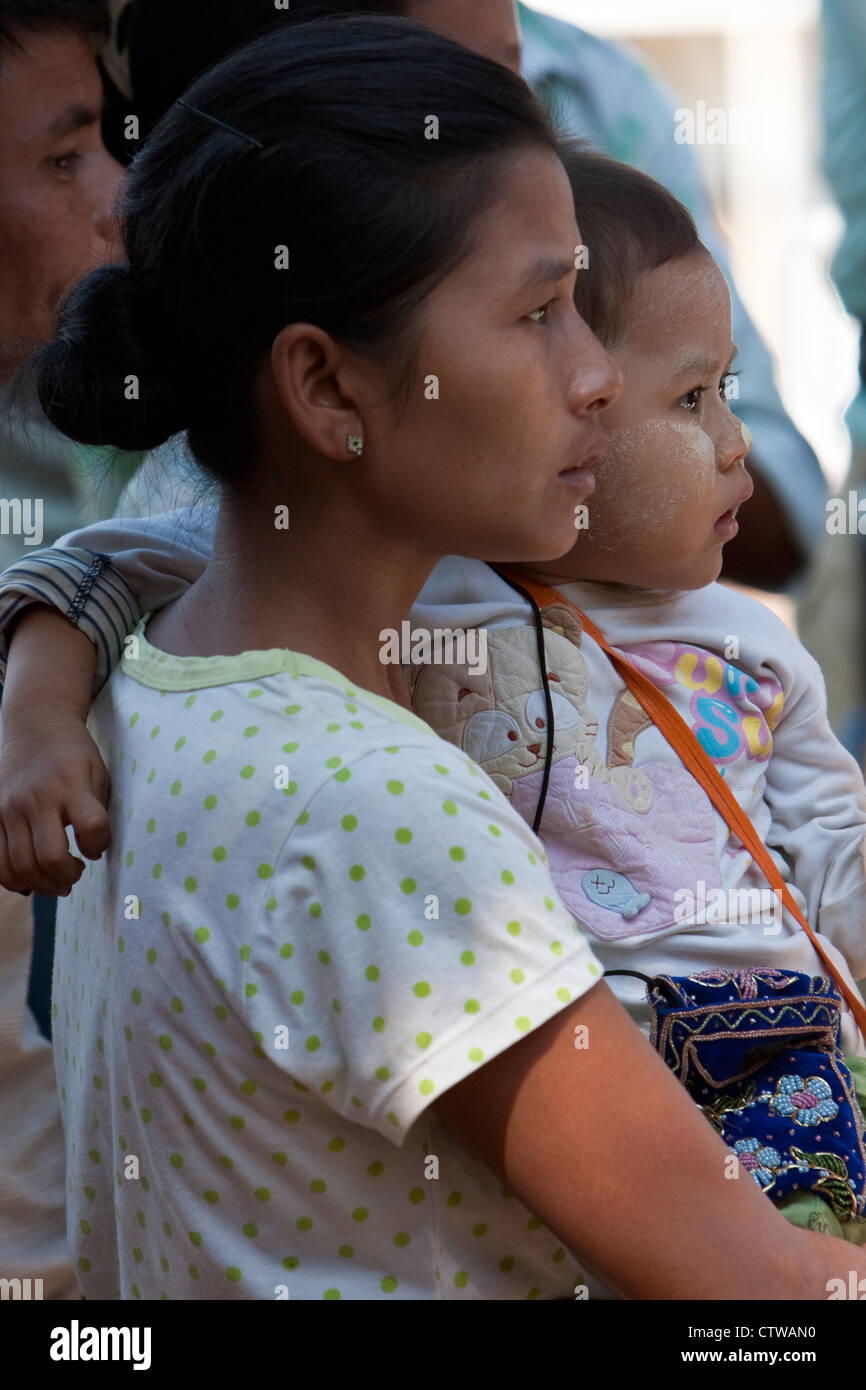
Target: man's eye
[[691, 400], [64, 163], [541, 313]]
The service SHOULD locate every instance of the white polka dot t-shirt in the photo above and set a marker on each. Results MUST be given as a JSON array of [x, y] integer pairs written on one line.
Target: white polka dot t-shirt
[[315, 917]]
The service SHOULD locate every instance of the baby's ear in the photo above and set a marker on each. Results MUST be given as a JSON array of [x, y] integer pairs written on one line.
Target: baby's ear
[[561, 618]]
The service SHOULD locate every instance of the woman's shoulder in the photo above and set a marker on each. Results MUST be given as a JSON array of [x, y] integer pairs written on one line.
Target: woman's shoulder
[[307, 733]]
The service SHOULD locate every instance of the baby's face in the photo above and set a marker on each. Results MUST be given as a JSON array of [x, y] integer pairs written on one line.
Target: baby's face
[[673, 475]]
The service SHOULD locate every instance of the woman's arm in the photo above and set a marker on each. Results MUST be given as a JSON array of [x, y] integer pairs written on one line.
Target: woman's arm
[[590, 1129], [604, 1144], [51, 772]]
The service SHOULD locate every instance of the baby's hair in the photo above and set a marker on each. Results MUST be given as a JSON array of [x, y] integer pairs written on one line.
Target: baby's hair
[[346, 218], [629, 224]]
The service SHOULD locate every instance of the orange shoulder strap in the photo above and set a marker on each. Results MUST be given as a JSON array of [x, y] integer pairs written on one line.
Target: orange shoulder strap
[[696, 761]]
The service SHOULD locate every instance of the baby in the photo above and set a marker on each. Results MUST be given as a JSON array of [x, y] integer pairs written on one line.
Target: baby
[[637, 851], [636, 848]]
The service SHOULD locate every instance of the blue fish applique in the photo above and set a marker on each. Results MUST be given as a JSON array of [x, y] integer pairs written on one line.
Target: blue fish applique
[[614, 892]]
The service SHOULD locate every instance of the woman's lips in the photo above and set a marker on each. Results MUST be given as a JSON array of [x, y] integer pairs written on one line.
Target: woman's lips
[[727, 525], [582, 478]]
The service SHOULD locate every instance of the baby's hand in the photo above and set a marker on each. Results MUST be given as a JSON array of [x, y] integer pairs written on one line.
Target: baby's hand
[[51, 776]]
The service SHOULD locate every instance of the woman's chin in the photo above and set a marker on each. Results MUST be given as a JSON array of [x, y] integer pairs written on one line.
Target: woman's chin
[[535, 549]]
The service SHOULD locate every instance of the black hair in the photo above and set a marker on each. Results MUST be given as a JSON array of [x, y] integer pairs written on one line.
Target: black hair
[[21, 17], [352, 186], [170, 44], [629, 224]]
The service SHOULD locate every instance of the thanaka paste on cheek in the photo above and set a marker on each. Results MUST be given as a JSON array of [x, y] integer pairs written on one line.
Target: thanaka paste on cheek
[[649, 472], [697, 441]]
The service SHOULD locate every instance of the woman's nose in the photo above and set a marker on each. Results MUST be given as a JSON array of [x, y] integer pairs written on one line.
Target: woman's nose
[[596, 380]]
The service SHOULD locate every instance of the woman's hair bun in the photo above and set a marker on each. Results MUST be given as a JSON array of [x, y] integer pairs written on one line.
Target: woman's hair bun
[[105, 378]]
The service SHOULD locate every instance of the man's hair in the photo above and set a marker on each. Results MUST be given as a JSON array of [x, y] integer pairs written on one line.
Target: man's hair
[[172, 42], [19, 18]]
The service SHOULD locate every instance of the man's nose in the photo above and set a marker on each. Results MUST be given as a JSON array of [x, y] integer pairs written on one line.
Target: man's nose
[[107, 185]]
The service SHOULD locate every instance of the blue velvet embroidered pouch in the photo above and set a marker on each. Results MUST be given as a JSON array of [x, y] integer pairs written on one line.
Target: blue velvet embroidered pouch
[[759, 1051]]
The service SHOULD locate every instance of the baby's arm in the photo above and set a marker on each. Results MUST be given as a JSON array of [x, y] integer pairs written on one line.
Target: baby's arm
[[105, 576], [817, 797], [51, 773]]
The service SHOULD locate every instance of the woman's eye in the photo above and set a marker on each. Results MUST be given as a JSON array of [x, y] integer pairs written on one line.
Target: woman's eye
[[540, 315], [691, 400]]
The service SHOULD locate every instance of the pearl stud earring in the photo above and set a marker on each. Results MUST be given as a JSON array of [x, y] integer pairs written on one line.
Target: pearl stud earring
[[355, 443]]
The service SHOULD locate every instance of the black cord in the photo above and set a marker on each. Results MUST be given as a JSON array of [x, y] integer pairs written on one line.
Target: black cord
[[660, 985], [647, 979], [656, 982], [548, 702]]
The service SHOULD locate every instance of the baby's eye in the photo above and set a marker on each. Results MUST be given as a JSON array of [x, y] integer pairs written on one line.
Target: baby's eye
[[724, 384], [691, 400], [542, 311]]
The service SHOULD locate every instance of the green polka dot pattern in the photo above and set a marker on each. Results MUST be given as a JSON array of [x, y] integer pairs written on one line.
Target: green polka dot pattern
[[305, 932]]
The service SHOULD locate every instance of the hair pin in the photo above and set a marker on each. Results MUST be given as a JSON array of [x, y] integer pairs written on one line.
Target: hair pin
[[250, 139]]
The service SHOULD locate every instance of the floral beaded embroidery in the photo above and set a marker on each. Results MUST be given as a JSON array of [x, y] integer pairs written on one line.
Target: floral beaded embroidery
[[758, 1050], [807, 1102]]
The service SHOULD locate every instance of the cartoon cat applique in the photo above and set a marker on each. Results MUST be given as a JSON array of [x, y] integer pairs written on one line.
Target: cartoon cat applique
[[604, 818], [499, 718]]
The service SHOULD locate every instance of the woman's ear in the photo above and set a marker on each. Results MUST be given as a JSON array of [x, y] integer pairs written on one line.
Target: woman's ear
[[316, 382]]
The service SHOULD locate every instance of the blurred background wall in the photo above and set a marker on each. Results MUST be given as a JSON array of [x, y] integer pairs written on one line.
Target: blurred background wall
[[757, 61]]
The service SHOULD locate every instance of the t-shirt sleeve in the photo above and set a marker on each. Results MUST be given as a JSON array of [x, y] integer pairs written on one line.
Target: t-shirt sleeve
[[414, 933]]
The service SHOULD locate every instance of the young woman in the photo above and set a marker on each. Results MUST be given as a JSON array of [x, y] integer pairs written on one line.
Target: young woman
[[322, 998]]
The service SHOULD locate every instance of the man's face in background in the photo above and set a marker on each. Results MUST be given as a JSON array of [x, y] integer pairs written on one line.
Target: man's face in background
[[491, 26], [57, 181]]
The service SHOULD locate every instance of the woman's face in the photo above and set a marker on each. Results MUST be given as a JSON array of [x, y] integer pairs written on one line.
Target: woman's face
[[491, 454]]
